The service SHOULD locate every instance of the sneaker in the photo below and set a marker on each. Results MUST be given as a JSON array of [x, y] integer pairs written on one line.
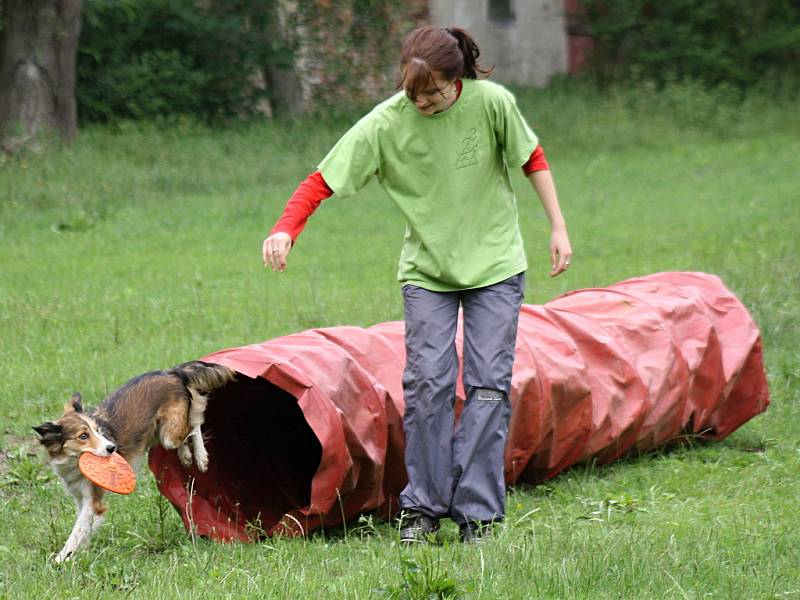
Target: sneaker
[[417, 527], [474, 532]]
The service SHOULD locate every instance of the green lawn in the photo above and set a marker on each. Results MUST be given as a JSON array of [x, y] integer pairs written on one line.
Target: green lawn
[[139, 248]]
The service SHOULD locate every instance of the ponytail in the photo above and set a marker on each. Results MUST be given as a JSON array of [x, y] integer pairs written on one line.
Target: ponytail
[[470, 51]]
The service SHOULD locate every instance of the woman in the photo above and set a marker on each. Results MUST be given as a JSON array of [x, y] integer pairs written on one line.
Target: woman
[[442, 150]]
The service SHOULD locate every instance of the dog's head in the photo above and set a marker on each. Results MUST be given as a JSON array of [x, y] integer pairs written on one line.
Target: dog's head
[[74, 433]]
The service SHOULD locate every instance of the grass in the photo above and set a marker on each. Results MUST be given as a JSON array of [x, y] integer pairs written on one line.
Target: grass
[[139, 247]]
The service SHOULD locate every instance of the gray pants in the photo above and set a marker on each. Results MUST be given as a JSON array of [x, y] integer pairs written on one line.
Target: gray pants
[[456, 470]]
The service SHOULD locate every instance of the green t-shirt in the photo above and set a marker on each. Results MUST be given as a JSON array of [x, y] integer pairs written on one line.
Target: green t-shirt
[[448, 174]]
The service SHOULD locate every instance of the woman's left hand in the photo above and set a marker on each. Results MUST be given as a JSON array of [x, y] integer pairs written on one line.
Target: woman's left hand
[[560, 251]]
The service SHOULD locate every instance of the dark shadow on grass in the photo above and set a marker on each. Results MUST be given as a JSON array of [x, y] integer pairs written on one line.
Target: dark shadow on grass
[[689, 447]]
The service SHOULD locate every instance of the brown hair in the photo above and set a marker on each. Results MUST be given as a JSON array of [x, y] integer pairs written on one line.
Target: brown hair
[[450, 50]]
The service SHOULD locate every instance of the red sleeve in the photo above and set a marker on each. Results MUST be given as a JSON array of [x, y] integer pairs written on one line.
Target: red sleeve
[[304, 201], [537, 162]]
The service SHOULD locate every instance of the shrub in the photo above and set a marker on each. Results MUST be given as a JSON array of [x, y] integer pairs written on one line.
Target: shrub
[[151, 58], [737, 42]]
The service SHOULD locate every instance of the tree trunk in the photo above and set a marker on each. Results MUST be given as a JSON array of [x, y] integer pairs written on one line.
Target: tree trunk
[[283, 80], [286, 90], [38, 49]]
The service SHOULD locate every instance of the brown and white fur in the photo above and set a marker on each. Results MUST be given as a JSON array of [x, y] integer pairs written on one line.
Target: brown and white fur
[[160, 407]]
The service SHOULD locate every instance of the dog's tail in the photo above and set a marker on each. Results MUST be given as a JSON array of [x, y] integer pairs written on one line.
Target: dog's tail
[[202, 376], [201, 379]]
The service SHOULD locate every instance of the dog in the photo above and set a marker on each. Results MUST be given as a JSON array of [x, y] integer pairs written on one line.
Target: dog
[[159, 407]]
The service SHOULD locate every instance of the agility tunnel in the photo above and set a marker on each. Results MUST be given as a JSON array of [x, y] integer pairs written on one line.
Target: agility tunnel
[[310, 432]]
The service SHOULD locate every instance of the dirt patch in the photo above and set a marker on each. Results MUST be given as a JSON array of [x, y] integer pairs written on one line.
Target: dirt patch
[[14, 445]]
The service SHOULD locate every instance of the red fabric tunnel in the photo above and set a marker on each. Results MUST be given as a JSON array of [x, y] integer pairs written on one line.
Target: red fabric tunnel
[[310, 433]]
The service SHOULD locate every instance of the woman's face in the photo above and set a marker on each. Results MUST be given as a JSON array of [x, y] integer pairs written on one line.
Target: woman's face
[[435, 97]]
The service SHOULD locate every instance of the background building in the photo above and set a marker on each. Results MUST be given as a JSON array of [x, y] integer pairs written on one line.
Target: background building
[[526, 40], [344, 51]]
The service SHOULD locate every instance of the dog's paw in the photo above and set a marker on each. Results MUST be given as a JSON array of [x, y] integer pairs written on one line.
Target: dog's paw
[[185, 455], [63, 556], [201, 459]]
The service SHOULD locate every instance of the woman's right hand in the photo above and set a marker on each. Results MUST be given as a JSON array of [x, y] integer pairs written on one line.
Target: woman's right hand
[[275, 249]]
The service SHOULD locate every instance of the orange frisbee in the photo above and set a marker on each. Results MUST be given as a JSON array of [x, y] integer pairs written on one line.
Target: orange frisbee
[[109, 472]]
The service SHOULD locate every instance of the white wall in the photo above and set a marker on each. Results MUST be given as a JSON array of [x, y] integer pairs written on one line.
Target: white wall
[[528, 50]]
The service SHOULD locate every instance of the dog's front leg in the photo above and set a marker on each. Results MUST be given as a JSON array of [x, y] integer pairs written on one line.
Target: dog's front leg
[[81, 532], [91, 513], [199, 448]]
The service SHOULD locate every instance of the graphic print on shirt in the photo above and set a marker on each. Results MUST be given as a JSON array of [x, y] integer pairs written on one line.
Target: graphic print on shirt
[[468, 155]]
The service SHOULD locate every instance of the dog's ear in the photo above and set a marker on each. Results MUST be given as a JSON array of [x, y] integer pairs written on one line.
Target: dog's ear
[[49, 433], [74, 404]]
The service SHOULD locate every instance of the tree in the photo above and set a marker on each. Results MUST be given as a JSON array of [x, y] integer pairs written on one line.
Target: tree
[[38, 47]]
